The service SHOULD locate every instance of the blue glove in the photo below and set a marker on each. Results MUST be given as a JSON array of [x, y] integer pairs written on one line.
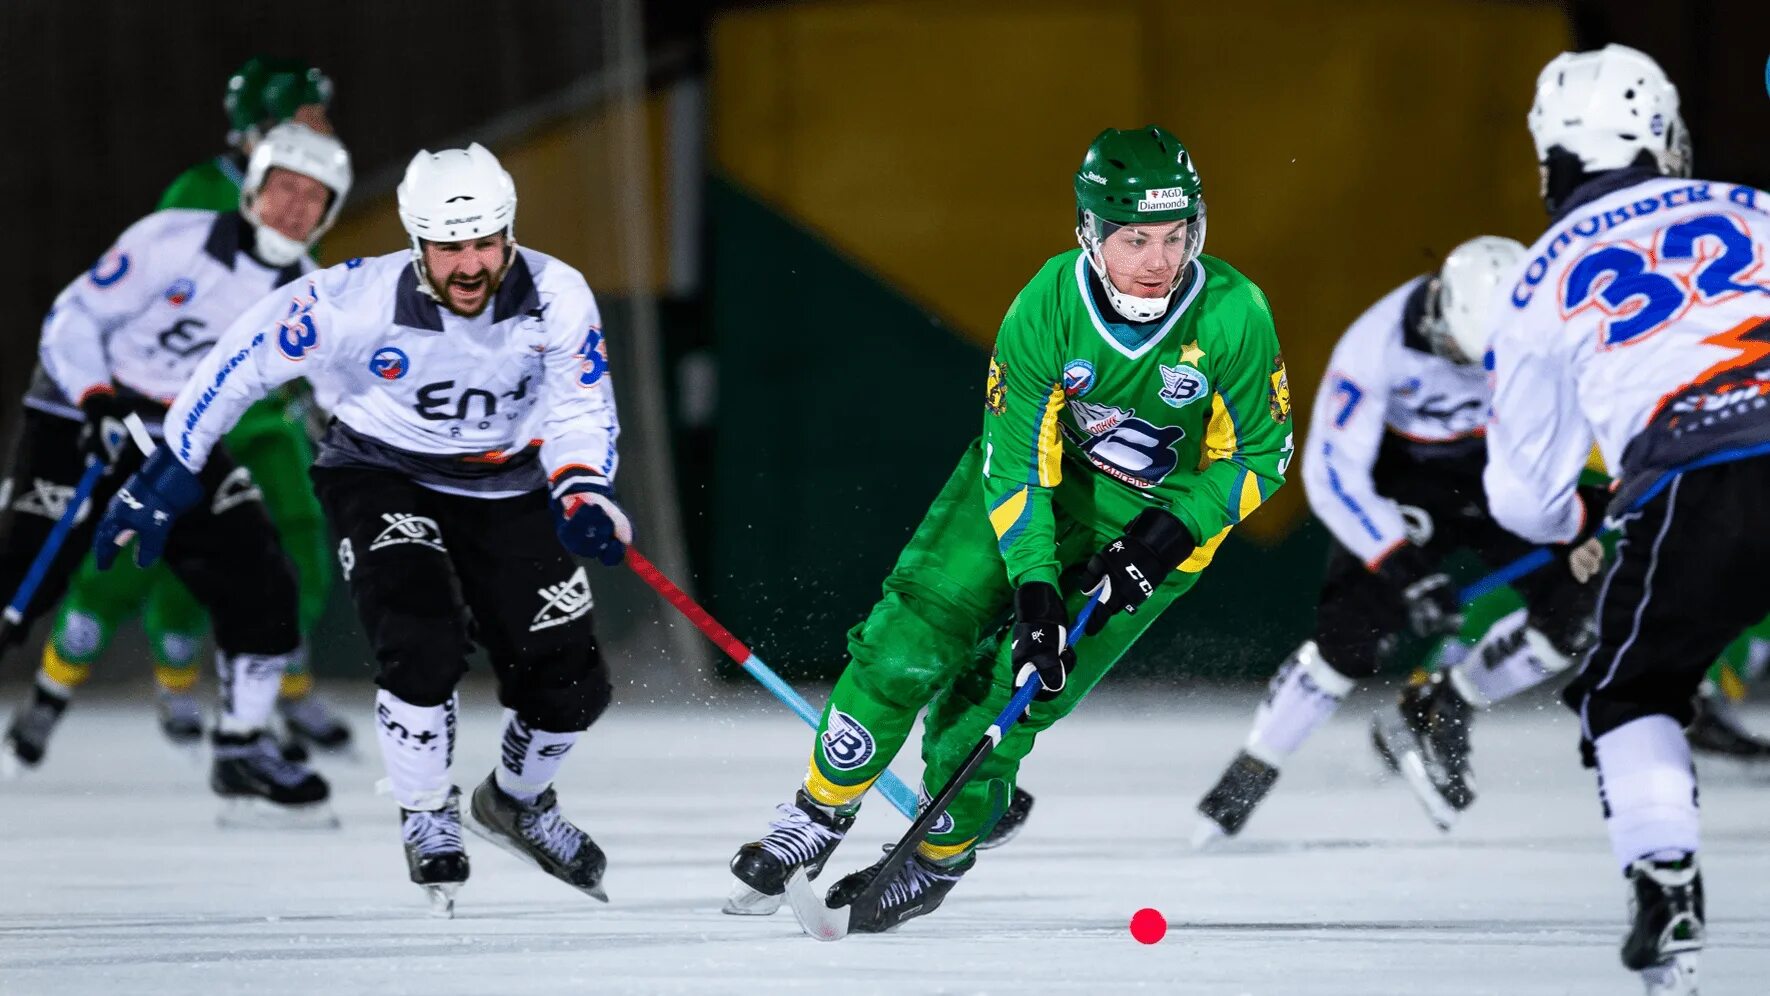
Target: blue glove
[[145, 508], [589, 521]]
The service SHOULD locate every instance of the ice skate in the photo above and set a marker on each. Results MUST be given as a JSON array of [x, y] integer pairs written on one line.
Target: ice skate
[[803, 835], [1012, 821], [181, 718], [1717, 731], [917, 889], [260, 788], [313, 723], [1428, 736], [1226, 807], [27, 739], [539, 834], [1666, 929], [435, 855]]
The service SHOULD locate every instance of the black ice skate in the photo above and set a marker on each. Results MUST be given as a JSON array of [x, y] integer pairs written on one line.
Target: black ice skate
[[804, 835], [1229, 803], [263, 789], [540, 834], [1716, 730], [1427, 735], [28, 737], [313, 723], [181, 718], [434, 853], [916, 890], [1666, 929], [1013, 819]]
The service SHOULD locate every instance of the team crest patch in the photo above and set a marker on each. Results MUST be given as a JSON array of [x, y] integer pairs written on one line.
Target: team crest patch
[[995, 389], [182, 290], [1078, 378], [1279, 400], [1182, 384], [389, 363], [847, 744]]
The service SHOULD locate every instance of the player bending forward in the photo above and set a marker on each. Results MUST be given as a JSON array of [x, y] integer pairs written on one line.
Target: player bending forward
[[1136, 409], [1641, 317], [472, 446], [1393, 467], [123, 340]]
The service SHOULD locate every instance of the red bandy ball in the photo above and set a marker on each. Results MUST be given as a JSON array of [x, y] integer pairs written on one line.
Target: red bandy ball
[[1148, 926]]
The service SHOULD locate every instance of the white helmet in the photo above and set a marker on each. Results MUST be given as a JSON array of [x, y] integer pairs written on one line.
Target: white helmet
[[1457, 314], [1605, 107], [299, 149], [455, 195]]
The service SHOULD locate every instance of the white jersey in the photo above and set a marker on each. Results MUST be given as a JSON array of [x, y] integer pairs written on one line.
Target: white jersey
[[151, 308], [1383, 385], [1637, 320], [457, 404]]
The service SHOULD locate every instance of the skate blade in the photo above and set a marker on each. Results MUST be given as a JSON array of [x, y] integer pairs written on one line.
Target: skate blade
[[1207, 835], [442, 899], [1387, 767], [499, 841], [249, 813], [1676, 977], [12, 767], [745, 901], [815, 917], [1413, 771]]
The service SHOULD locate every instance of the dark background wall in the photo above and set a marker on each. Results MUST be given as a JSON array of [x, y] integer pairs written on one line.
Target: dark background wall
[[107, 100]]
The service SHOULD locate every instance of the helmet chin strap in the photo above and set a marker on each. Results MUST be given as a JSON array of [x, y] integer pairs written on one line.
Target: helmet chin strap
[[273, 246], [1130, 306], [429, 290]]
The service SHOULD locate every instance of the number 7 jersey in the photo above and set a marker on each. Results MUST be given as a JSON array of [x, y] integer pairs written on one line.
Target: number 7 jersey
[[1639, 320], [1190, 412]]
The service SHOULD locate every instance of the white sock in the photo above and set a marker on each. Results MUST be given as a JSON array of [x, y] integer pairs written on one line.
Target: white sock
[[529, 758], [1648, 788], [1302, 695], [1510, 658], [249, 684], [417, 745]]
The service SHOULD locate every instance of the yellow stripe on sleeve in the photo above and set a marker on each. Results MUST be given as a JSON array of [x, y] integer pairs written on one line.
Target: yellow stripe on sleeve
[[1050, 455], [1003, 516], [1220, 441]]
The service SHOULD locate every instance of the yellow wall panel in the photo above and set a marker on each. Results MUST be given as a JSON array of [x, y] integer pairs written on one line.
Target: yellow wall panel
[[1343, 146]]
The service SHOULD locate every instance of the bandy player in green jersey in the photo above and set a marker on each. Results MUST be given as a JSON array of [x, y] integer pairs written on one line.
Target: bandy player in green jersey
[[1136, 409]]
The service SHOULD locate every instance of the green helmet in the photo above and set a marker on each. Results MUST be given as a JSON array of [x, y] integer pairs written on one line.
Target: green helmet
[[1133, 178], [266, 92]]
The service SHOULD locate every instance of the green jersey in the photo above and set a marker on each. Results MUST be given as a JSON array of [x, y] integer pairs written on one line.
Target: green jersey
[[1190, 412], [211, 185]]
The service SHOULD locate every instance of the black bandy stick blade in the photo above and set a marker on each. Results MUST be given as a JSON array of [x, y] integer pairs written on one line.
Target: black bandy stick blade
[[815, 918]]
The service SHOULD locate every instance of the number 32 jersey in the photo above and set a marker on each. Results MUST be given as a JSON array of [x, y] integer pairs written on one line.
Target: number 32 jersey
[[1639, 319], [1190, 412], [490, 406]]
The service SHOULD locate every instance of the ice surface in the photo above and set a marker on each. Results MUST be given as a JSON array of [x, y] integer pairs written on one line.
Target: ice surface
[[114, 878]]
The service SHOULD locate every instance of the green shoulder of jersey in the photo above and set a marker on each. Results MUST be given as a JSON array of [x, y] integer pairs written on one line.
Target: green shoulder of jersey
[[204, 187], [1190, 412]]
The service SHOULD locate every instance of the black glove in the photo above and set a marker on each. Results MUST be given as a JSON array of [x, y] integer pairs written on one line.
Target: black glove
[[104, 437], [1129, 569], [1428, 593], [1041, 637]]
